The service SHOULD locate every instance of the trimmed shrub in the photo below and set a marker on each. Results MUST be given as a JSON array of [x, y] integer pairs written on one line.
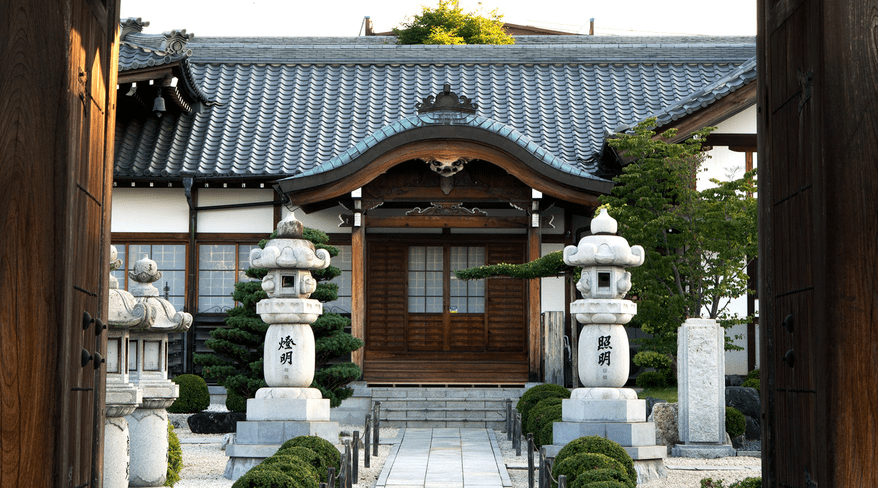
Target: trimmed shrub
[[651, 379], [736, 424], [751, 383], [310, 457], [298, 470], [323, 448], [603, 484], [535, 419], [599, 445], [546, 435], [533, 396], [194, 395], [595, 475], [235, 402], [573, 466], [748, 482], [175, 457], [753, 375], [265, 478]]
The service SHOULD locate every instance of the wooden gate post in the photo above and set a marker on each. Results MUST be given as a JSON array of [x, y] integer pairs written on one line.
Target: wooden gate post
[[553, 343]]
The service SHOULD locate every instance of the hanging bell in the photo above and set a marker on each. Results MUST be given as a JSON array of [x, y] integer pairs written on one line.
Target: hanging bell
[[158, 106]]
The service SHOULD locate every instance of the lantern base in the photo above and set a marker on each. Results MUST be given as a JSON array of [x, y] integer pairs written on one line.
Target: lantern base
[[256, 440], [623, 410], [288, 409]]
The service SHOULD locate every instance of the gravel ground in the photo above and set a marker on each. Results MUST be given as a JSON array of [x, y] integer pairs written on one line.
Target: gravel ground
[[204, 462]]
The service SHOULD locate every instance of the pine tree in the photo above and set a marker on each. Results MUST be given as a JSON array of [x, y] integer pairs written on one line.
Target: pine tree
[[237, 359]]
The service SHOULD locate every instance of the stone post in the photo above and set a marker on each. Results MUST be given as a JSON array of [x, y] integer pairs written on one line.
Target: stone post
[[701, 390], [122, 396], [148, 369], [287, 407], [602, 406]]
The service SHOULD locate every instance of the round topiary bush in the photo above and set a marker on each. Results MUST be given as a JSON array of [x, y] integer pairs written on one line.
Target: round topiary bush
[[596, 475], [736, 424], [546, 434], [651, 379], [175, 457], [573, 466], [265, 478], [194, 396], [601, 484], [533, 396], [751, 383], [599, 445], [536, 418], [753, 375], [303, 454], [235, 402], [302, 474], [323, 448]]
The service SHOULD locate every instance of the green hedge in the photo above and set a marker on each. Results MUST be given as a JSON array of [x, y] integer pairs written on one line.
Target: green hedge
[[298, 470], [532, 396], [175, 457], [599, 445], [577, 464], [321, 469], [262, 478], [736, 423], [587, 478], [194, 395], [327, 452], [752, 383]]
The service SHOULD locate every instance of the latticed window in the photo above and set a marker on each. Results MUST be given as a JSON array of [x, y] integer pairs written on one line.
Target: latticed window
[[427, 268], [170, 260], [342, 262], [220, 266]]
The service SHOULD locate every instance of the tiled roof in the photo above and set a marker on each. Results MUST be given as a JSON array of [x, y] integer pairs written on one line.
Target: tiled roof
[[289, 106], [133, 56]]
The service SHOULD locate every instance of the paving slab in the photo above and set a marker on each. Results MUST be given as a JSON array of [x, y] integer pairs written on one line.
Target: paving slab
[[445, 457]]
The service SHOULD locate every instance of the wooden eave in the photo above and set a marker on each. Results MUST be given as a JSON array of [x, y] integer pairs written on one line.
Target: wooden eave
[[711, 115], [444, 141], [150, 73]]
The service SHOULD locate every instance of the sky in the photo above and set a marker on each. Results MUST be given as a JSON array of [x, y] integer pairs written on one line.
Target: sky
[[289, 18]]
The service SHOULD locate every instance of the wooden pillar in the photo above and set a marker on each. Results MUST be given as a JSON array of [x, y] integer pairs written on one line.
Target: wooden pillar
[[818, 225], [533, 290], [358, 290]]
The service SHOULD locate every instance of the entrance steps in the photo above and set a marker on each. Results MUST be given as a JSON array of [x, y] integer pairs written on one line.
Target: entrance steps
[[444, 406]]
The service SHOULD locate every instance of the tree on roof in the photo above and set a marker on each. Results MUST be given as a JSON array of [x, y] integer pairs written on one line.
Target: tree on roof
[[449, 24]]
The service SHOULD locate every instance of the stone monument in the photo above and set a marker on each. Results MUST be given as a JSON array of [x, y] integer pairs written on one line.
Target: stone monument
[[147, 357], [122, 397], [602, 407], [701, 390], [287, 407]]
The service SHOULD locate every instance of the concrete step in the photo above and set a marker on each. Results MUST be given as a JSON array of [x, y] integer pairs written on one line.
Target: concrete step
[[436, 424], [444, 407]]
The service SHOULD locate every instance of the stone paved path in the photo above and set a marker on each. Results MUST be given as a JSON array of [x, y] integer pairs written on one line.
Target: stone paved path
[[445, 458]]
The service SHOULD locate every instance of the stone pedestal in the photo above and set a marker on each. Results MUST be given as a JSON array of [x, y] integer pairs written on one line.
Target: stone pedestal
[[149, 438], [701, 390], [121, 401]]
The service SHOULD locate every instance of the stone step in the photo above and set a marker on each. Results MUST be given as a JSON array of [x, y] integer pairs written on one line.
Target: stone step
[[436, 424], [477, 415]]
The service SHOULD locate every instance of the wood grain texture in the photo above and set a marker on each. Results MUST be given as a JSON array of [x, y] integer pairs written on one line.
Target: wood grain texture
[[818, 143], [533, 308]]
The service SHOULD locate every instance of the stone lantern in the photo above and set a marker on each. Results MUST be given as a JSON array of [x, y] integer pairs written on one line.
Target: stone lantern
[[287, 407], [603, 407], [122, 397], [147, 358]]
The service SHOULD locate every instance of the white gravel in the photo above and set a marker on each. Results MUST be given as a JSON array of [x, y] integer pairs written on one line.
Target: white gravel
[[204, 462]]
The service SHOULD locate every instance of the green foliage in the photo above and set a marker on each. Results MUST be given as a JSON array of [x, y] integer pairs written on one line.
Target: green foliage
[[589, 478], [753, 375], [736, 423], [665, 366], [601, 484], [299, 471], [238, 348], [698, 242], [751, 383], [544, 413], [449, 24], [573, 466], [175, 457], [668, 394], [548, 265], [317, 463], [194, 395], [745, 483], [599, 445], [327, 452], [533, 395], [265, 478]]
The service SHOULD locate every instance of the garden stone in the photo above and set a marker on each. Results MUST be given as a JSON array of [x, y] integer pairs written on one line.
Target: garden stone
[[738, 442], [664, 415], [735, 379], [651, 402], [754, 429], [215, 422], [744, 399]]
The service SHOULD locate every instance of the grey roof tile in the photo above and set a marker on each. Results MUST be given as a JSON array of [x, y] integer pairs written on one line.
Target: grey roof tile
[[299, 113]]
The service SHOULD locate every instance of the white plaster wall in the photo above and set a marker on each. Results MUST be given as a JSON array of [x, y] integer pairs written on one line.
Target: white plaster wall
[[558, 222], [257, 220], [149, 210], [325, 220], [552, 289]]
